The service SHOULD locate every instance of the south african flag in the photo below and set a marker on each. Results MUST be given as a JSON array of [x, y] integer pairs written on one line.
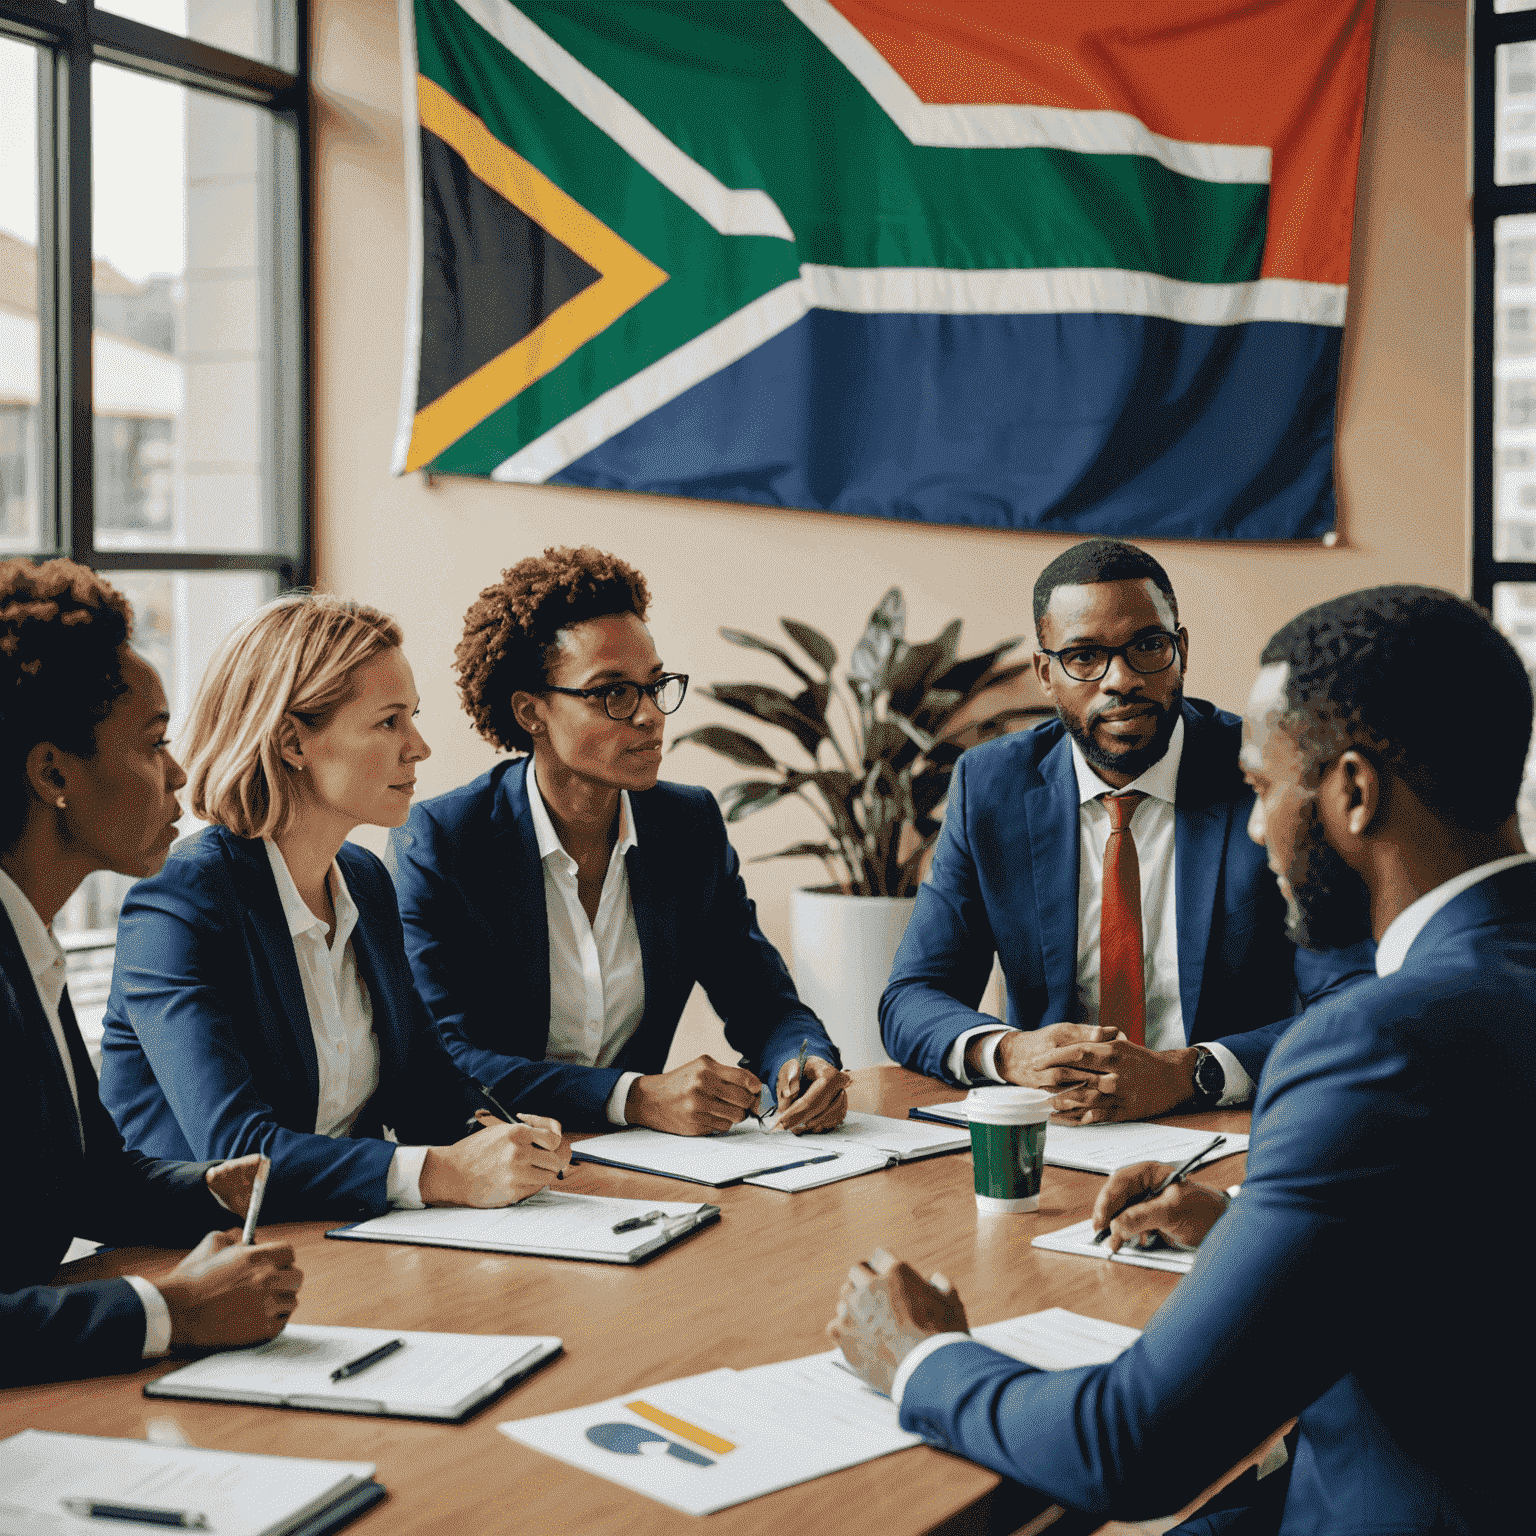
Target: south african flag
[[1073, 264]]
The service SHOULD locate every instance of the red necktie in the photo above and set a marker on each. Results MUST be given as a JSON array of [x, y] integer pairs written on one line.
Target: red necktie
[[1122, 982]]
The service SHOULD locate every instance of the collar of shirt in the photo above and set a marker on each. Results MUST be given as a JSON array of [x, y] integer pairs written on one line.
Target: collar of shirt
[[1161, 780], [301, 921], [40, 949], [1409, 923], [549, 840]]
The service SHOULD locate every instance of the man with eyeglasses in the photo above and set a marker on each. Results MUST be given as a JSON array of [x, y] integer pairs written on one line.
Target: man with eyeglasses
[[1101, 859], [560, 908]]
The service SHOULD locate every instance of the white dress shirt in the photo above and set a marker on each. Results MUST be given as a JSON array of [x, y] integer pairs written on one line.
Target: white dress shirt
[[1409, 923], [341, 1019], [596, 978], [1153, 827], [45, 960]]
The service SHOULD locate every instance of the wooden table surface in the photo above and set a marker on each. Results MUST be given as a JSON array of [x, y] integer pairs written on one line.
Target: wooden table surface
[[757, 1286]]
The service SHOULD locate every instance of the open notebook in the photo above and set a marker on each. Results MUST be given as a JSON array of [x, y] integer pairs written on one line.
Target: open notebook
[[1078, 1239], [442, 1376], [49, 1482], [1104, 1148], [773, 1159]]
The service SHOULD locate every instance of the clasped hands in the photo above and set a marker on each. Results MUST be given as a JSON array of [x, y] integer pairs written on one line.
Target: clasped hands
[[705, 1097], [886, 1309], [1096, 1073]]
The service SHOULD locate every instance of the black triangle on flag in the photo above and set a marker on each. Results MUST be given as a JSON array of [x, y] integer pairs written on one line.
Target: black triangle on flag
[[490, 275]]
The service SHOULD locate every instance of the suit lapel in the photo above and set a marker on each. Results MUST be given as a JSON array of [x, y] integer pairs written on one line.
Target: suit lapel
[[514, 886], [1050, 812], [655, 920], [373, 971], [1202, 821]]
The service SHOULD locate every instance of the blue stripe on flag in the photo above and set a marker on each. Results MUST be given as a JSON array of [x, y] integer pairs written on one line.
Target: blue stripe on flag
[[1084, 423]]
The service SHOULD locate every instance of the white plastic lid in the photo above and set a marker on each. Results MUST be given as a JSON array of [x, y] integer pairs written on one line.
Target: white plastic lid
[[1008, 1106]]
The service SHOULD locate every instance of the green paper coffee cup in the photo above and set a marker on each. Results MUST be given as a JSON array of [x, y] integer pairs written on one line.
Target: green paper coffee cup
[[1007, 1147]]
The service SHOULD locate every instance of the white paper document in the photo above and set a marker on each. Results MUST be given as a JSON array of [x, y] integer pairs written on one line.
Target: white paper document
[[707, 1442], [746, 1151], [1104, 1148], [238, 1495], [1078, 1239], [547, 1225], [433, 1376]]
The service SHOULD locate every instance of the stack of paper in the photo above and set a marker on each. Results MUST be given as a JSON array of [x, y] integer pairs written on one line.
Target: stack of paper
[[1078, 1239], [1104, 1148], [707, 1442], [49, 1483], [442, 1376], [547, 1225], [773, 1159]]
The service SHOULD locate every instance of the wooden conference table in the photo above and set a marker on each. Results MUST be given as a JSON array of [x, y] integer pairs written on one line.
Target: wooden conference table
[[757, 1286]]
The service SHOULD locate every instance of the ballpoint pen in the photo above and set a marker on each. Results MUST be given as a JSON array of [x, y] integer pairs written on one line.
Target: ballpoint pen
[[356, 1367], [139, 1514], [805, 1162], [799, 1080], [510, 1119], [1173, 1178], [636, 1222], [258, 1194]]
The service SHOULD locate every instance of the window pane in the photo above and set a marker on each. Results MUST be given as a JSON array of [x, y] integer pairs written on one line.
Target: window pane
[[20, 425], [258, 29], [179, 617], [183, 273], [1514, 132], [1514, 365]]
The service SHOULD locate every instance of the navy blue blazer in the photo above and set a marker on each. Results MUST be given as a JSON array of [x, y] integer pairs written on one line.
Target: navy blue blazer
[[1368, 1277], [471, 890], [208, 1049], [57, 1191], [1004, 880]]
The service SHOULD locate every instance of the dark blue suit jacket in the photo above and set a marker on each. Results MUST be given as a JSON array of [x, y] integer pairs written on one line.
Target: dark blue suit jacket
[[56, 1192], [471, 890], [1369, 1277], [1004, 879], [208, 1049]]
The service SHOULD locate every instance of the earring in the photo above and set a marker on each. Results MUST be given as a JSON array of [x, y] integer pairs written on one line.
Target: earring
[[62, 803]]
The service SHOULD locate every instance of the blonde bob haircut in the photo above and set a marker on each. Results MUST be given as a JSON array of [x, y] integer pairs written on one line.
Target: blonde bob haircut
[[294, 657]]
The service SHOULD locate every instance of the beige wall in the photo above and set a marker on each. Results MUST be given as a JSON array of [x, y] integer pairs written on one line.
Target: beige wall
[[424, 552]]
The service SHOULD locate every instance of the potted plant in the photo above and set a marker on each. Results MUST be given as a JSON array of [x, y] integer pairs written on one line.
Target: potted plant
[[876, 749]]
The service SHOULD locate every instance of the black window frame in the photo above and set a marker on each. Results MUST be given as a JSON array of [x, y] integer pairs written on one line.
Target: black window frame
[[71, 36]]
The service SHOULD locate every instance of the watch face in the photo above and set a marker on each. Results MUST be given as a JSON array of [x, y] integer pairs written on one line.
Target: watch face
[[1210, 1080]]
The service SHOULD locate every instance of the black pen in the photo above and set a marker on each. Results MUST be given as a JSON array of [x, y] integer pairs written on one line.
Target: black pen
[[1173, 1178], [805, 1162], [355, 1367], [636, 1222], [140, 1514], [510, 1119]]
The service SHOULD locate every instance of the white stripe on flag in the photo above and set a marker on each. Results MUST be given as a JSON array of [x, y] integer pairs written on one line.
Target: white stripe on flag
[[728, 212], [1017, 127], [913, 290]]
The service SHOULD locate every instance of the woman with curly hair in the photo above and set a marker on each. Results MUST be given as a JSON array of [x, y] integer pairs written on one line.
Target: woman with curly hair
[[261, 1000], [559, 908], [87, 782]]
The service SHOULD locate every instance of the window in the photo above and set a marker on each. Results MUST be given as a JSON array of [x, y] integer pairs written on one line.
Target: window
[[153, 245]]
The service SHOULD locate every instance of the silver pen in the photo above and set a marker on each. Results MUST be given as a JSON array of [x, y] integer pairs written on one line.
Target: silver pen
[[258, 1194]]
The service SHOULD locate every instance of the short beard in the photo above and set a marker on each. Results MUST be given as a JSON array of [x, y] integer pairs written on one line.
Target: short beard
[[1329, 906], [1133, 763]]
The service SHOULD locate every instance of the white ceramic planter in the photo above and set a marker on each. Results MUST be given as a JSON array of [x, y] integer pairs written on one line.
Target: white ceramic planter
[[841, 951]]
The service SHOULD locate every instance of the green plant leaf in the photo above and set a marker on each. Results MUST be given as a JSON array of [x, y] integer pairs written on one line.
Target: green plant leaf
[[773, 707], [812, 642], [869, 665], [921, 739], [801, 851], [969, 670], [881, 740], [813, 701], [751, 642], [735, 745], [741, 799]]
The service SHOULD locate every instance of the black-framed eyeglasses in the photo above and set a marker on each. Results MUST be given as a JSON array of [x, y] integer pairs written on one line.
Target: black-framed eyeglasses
[[621, 700], [1145, 654]]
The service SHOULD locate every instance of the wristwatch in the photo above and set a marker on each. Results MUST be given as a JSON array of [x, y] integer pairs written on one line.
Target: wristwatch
[[1210, 1079]]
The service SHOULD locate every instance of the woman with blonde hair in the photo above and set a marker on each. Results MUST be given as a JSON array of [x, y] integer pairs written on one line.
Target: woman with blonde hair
[[261, 999]]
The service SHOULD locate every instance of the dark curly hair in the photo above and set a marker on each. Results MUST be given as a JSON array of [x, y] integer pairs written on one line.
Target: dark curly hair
[[1421, 682], [60, 671], [1096, 560], [510, 628]]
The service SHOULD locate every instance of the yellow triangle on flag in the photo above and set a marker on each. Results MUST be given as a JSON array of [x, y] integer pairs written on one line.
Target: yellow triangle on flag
[[624, 277]]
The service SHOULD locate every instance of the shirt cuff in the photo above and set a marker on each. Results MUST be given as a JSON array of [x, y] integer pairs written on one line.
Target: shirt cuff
[[910, 1364], [1239, 1087], [157, 1317], [402, 1185], [954, 1062], [620, 1097]]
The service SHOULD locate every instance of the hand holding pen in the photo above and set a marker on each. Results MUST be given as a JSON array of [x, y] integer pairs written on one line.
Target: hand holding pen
[[509, 1160], [1147, 1199], [812, 1094]]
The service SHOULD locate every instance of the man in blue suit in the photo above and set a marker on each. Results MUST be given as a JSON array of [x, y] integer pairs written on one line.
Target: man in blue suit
[[1101, 858], [1340, 1285]]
